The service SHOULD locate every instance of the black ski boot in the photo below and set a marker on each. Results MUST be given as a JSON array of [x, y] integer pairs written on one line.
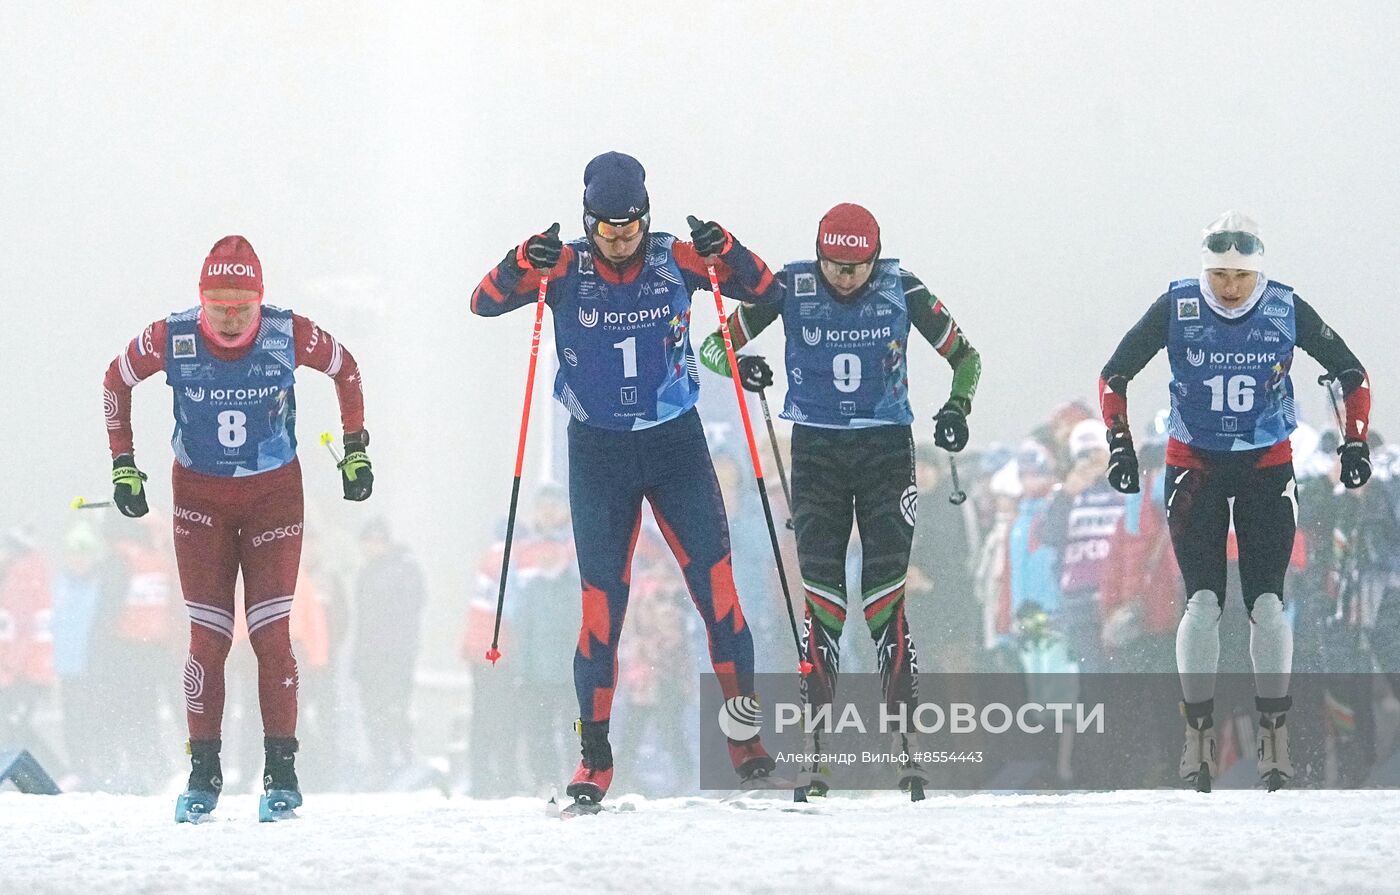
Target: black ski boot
[[595, 771], [206, 782], [910, 775], [1275, 766], [281, 794]]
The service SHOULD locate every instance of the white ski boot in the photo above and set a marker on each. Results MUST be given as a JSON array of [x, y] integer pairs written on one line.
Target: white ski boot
[[1199, 756]]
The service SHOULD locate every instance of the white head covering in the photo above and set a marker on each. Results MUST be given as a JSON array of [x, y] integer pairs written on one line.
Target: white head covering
[[1231, 258]]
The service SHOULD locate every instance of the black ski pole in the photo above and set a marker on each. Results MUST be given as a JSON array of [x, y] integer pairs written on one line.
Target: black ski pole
[[958, 495], [777, 454]]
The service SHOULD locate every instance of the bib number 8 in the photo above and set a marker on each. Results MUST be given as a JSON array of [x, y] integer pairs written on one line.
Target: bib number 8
[[845, 372], [1238, 393], [233, 428]]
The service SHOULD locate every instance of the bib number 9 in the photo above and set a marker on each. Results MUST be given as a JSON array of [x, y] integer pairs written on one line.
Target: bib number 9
[[1238, 393], [845, 372], [233, 428]]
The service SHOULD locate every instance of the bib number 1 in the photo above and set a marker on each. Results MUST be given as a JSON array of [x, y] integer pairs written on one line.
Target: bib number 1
[[628, 347]]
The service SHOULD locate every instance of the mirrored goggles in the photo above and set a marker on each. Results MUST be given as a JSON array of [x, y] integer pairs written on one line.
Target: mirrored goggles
[[1244, 243]]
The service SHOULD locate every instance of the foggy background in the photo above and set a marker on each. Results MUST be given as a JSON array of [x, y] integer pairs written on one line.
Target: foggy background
[[1045, 168]]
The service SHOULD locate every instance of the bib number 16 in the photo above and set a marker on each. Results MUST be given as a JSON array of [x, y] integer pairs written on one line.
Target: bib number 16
[[1237, 392]]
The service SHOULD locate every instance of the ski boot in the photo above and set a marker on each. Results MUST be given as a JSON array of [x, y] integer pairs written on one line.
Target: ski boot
[[595, 771], [751, 760], [206, 781], [911, 776], [813, 779], [281, 795], [1199, 754], [1275, 766]]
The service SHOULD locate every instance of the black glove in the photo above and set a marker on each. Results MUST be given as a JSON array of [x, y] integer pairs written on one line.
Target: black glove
[[1356, 463], [754, 372], [541, 252], [1122, 461], [356, 474], [950, 426], [130, 496], [710, 239]]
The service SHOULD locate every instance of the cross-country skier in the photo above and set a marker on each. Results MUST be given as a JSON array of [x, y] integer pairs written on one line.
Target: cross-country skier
[[846, 318], [237, 492], [621, 302], [1230, 337]]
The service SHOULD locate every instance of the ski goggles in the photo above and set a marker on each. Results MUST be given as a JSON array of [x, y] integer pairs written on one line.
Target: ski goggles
[[615, 230], [1244, 243], [843, 268]]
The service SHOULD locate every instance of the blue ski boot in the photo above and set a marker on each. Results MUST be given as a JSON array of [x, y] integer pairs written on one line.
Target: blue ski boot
[[281, 795], [206, 780]]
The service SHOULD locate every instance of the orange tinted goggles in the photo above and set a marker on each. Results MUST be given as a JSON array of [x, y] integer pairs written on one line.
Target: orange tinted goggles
[[608, 230]]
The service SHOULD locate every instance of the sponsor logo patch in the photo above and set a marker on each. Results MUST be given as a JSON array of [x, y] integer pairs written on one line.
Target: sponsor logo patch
[[183, 345], [1188, 309]]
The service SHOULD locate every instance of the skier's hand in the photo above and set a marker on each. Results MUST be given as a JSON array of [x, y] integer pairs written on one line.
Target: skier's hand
[[356, 473], [1122, 461], [541, 251], [710, 239], [754, 373], [128, 493], [950, 426], [1356, 463]]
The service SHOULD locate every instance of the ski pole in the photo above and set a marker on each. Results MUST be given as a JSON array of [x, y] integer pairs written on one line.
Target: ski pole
[[1326, 381], [494, 653], [777, 454], [329, 441], [958, 495], [82, 503], [802, 664]]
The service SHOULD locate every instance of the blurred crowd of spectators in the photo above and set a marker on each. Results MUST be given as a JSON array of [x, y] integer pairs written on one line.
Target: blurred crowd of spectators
[[1044, 569], [93, 634]]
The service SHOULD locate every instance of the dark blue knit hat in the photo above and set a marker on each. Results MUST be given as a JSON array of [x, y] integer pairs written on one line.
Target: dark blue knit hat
[[614, 187]]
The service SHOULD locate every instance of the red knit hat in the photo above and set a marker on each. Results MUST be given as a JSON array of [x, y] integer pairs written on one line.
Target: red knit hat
[[848, 234], [232, 264]]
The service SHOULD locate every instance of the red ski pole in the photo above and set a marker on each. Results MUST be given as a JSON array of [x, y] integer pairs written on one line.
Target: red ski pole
[[802, 664], [494, 652]]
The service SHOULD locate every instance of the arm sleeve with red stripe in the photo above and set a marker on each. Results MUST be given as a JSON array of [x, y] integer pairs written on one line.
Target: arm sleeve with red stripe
[[514, 283], [1329, 349], [143, 357], [320, 350], [1147, 337], [744, 274]]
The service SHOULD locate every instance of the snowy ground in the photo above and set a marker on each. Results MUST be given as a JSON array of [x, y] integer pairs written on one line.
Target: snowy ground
[[1232, 842]]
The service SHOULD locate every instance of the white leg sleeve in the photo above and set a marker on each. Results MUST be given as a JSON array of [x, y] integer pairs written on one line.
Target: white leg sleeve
[[1198, 646], [1270, 646]]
